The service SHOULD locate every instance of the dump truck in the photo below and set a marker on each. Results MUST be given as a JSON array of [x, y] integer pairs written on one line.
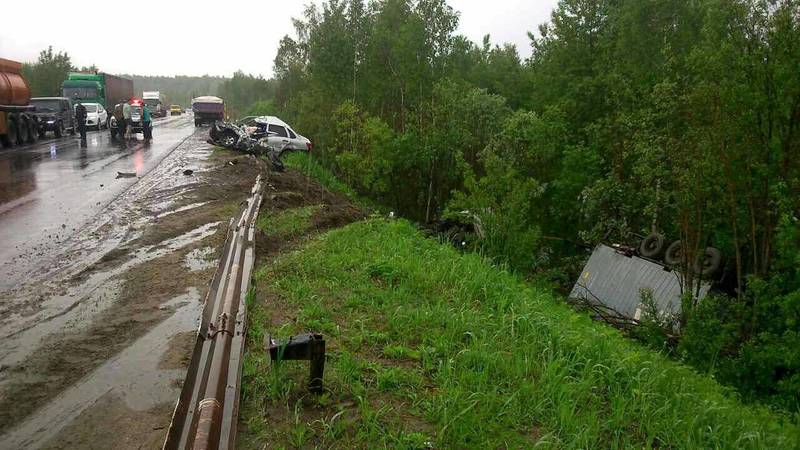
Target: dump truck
[[156, 103], [102, 88], [207, 109], [18, 124]]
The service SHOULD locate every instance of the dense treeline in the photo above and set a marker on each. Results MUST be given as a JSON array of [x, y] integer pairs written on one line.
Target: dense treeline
[[248, 95], [630, 117]]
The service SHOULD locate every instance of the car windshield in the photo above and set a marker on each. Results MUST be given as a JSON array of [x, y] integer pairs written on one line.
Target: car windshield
[[151, 102], [91, 108], [46, 105], [79, 92]]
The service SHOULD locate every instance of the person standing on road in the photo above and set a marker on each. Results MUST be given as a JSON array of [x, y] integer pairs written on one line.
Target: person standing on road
[[126, 118], [120, 120], [147, 124], [80, 118]]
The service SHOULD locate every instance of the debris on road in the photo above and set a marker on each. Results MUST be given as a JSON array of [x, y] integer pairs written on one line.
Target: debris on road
[[126, 174], [188, 172]]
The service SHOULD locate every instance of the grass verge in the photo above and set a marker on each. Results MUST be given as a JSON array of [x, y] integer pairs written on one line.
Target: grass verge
[[311, 168], [431, 348], [288, 223]]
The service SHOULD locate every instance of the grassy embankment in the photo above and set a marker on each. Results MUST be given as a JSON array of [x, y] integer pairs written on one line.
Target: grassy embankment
[[428, 347]]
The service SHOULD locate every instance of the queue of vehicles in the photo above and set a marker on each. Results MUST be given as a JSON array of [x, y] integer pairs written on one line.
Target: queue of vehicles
[[24, 119]]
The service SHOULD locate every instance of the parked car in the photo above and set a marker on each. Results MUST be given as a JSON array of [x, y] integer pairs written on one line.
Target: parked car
[[54, 114], [175, 110], [279, 134], [96, 116]]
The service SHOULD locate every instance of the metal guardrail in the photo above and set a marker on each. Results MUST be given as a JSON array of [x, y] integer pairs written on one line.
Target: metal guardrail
[[207, 411]]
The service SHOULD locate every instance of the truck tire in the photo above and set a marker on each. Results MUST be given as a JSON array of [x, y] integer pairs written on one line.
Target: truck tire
[[33, 132], [709, 263], [10, 138], [653, 246], [22, 131], [674, 254], [59, 131]]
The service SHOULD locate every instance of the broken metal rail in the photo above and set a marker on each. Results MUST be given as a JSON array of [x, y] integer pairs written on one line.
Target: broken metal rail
[[207, 411]]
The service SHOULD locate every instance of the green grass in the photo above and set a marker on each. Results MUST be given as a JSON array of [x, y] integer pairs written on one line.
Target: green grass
[[310, 167], [427, 346], [288, 223]]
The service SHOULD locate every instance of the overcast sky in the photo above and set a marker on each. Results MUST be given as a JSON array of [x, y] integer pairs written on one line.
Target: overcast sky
[[170, 37]]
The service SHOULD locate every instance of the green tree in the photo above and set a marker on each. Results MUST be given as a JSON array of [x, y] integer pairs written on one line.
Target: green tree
[[47, 73]]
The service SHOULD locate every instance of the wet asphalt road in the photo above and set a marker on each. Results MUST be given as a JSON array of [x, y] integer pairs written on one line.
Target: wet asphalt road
[[50, 190]]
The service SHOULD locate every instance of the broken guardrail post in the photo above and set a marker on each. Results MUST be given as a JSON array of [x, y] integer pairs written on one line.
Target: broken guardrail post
[[309, 347]]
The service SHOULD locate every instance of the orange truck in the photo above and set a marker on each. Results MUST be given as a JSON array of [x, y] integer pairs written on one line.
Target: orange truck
[[17, 125]]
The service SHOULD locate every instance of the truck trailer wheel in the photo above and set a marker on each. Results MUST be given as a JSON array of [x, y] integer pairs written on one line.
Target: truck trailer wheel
[[10, 138], [653, 246], [33, 132], [709, 263], [22, 131], [674, 254]]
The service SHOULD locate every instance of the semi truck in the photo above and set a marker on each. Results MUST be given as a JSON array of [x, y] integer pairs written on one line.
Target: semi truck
[[156, 103], [102, 88], [207, 109], [18, 124]]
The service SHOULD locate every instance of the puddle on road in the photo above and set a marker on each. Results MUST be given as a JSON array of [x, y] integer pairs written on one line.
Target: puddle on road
[[132, 375], [200, 259]]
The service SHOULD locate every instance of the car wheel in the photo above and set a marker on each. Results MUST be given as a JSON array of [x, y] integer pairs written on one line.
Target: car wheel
[[59, 131], [228, 139]]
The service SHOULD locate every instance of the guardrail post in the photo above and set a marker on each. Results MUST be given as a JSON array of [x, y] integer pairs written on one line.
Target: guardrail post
[[309, 347]]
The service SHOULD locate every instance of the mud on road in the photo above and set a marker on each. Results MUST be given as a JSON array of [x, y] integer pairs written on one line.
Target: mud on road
[[99, 346]]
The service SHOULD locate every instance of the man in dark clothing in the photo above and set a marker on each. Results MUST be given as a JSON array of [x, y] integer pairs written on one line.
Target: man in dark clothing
[[80, 118], [147, 124], [120, 118]]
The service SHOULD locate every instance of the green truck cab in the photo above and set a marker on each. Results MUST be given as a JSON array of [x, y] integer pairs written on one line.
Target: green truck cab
[[102, 88]]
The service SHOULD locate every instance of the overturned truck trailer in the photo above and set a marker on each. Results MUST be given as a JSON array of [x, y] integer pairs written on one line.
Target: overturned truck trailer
[[614, 280]]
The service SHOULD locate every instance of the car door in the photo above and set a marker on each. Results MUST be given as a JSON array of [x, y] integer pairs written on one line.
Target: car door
[[67, 114], [278, 138], [294, 141]]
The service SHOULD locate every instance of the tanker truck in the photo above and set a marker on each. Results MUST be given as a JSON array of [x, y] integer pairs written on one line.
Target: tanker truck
[[17, 123]]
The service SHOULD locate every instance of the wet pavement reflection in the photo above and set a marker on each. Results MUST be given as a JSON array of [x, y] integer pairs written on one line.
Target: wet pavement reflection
[[49, 190]]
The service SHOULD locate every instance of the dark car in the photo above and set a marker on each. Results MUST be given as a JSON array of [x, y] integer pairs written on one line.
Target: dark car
[[54, 114]]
